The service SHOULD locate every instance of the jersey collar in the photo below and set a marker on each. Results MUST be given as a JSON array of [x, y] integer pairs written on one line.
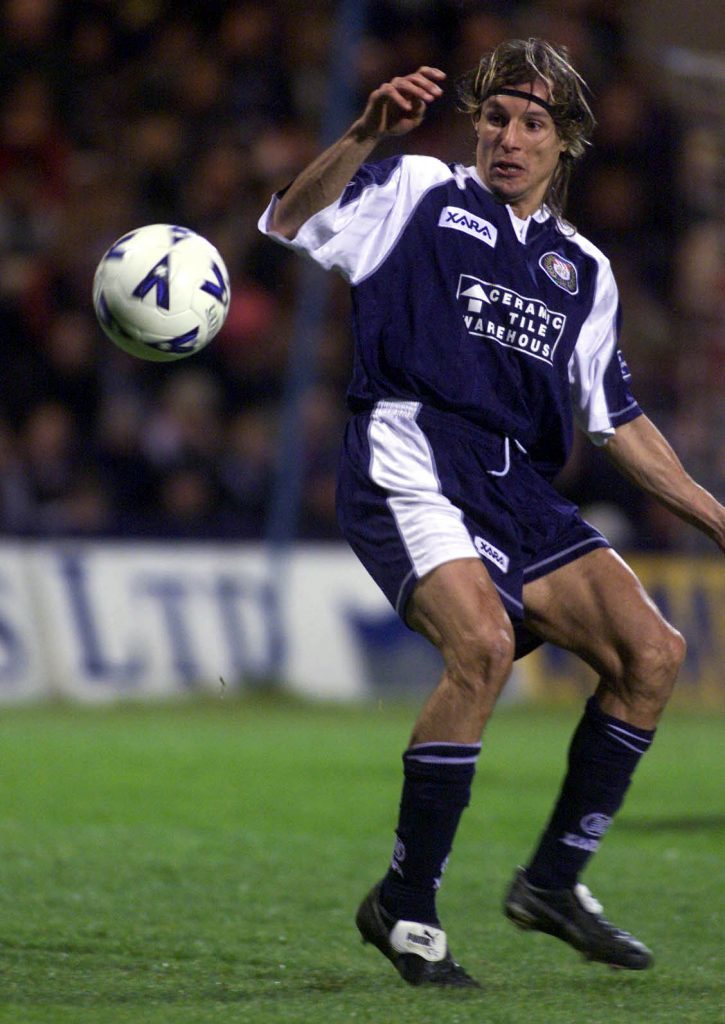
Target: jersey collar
[[521, 227]]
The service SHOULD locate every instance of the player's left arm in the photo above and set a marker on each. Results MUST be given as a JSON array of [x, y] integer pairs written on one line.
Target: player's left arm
[[642, 454]]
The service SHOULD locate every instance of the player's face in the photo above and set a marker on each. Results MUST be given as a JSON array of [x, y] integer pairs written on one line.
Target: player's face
[[518, 148]]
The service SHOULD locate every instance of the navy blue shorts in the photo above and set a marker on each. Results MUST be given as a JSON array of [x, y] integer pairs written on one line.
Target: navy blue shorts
[[418, 488]]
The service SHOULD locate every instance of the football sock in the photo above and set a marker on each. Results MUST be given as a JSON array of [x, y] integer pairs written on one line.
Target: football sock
[[436, 789], [603, 754]]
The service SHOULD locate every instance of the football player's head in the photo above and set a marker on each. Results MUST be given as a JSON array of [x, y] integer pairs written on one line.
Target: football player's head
[[518, 63]]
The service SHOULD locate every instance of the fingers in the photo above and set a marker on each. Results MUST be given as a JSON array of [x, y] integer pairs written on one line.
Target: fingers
[[421, 85], [399, 105]]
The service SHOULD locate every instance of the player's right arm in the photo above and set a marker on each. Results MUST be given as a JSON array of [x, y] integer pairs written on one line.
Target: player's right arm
[[395, 108]]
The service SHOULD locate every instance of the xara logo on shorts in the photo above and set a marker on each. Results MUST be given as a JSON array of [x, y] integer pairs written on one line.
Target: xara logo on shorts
[[514, 321], [485, 547]]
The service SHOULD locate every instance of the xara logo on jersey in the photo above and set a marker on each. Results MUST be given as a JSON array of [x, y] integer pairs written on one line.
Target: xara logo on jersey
[[514, 321], [463, 220]]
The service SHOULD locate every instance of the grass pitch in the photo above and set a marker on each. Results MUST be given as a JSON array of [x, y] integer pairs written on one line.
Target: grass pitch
[[202, 863]]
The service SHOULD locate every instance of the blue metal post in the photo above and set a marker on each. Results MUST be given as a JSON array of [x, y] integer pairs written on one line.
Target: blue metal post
[[308, 322], [312, 295]]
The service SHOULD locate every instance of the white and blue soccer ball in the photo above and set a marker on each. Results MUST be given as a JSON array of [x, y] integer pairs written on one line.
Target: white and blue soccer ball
[[161, 292]]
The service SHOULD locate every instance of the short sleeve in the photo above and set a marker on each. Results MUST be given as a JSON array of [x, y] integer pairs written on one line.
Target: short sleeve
[[355, 234], [599, 378]]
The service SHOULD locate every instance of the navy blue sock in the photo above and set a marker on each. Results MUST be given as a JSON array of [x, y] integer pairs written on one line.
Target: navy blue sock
[[603, 754], [436, 790]]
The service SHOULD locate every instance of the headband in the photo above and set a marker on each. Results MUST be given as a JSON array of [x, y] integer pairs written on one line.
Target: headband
[[519, 94]]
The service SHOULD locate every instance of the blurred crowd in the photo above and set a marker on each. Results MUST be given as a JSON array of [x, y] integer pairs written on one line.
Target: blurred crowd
[[120, 113]]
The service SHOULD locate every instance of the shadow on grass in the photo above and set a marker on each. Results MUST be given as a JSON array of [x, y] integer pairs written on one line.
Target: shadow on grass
[[684, 823]]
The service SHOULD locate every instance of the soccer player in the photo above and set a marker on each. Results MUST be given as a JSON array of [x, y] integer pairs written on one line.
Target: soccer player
[[484, 324]]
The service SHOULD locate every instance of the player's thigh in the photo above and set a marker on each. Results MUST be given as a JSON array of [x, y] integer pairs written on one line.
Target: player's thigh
[[457, 607], [596, 607]]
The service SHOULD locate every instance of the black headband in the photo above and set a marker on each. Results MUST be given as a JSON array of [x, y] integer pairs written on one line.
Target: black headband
[[521, 96]]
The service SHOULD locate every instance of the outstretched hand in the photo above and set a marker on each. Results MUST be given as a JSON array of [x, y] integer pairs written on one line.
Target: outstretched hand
[[395, 108], [399, 106]]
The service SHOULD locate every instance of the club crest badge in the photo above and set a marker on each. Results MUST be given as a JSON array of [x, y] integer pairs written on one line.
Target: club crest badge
[[561, 271]]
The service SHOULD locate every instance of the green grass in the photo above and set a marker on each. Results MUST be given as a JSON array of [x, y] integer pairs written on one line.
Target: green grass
[[202, 862]]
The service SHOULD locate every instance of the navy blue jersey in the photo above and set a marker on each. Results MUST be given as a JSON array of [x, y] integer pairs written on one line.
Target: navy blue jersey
[[461, 306]]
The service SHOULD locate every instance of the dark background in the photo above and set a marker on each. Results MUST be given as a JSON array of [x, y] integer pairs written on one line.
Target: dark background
[[113, 115]]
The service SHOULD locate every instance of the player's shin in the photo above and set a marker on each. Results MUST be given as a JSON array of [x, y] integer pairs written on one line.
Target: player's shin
[[436, 790], [602, 757]]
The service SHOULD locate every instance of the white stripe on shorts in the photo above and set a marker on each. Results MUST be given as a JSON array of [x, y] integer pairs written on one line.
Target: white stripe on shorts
[[401, 462]]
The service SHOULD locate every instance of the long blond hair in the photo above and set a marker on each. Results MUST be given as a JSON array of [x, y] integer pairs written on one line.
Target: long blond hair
[[523, 61]]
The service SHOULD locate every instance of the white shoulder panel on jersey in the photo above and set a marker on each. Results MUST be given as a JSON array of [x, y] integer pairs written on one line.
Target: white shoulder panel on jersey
[[595, 348], [355, 238]]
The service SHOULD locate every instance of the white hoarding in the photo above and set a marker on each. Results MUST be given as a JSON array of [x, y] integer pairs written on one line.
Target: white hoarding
[[98, 621]]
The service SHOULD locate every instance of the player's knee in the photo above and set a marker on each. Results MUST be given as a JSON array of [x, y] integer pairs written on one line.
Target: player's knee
[[655, 664], [482, 661], [677, 649]]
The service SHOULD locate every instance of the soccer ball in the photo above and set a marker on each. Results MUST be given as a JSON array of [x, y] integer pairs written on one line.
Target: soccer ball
[[161, 292]]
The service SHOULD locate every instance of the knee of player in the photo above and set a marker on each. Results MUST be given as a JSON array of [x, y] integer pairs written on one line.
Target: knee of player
[[482, 660], [677, 646], [655, 663]]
